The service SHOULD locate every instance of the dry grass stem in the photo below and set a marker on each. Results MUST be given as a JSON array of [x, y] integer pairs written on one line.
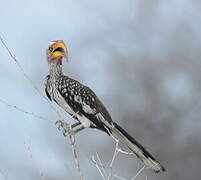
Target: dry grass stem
[[30, 154]]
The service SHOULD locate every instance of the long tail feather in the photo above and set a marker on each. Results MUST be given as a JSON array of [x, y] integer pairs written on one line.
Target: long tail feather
[[149, 161]]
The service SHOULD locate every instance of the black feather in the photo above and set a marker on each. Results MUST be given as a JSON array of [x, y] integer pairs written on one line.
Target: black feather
[[48, 95], [134, 141]]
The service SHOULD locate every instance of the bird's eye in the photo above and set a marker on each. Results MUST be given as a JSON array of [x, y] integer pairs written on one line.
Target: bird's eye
[[50, 49]]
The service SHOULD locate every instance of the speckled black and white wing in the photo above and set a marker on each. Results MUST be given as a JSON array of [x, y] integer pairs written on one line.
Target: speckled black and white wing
[[84, 102]]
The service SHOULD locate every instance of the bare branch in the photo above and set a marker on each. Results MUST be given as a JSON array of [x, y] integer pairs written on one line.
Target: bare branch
[[102, 169], [72, 139]]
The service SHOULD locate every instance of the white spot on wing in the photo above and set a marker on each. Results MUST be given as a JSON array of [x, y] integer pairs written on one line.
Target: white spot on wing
[[77, 99], [62, 102], [88, 109], [64, 90]]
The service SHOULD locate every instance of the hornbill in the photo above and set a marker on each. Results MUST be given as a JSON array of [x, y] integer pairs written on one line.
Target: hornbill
[[82, 103]]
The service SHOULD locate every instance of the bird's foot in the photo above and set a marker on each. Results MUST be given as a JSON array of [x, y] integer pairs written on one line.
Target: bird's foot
[[59, 124], [65, 127]]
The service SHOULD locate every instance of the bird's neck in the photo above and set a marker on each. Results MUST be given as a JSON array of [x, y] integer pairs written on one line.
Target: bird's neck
[[55, 69]]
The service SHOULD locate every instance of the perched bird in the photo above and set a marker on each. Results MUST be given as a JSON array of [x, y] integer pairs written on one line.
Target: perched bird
[[82, 103]]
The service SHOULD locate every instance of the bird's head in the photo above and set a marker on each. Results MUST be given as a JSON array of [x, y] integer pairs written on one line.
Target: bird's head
[[56, 52]]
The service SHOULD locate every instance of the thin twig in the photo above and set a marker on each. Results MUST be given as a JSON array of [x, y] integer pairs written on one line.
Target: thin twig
[[116, 152], [98, 167], [51, 106], [118, 177], [134, 177], [101, 164], [117, 141], [102, 168], [124, 152], [26, 112]]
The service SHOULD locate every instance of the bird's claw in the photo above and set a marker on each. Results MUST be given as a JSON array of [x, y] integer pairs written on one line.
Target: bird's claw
[[59, 124], [67, 131], [62, 125]]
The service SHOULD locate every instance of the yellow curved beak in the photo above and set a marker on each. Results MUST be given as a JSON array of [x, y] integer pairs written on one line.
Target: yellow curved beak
[[57, 54], [59, 50]]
